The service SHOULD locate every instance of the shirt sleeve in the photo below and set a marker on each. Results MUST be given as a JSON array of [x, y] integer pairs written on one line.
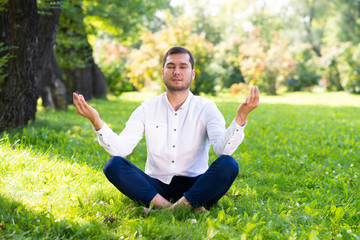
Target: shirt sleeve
[[124, 143], [224, 141]]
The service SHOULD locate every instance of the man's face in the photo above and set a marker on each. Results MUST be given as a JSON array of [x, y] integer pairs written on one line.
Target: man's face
[[177, 73]]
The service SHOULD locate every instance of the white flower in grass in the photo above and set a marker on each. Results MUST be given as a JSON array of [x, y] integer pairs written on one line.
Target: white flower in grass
[[101, 202], [326, 173], [193, 221], [339, 235], [297, 204], [355, 176], [334, 172], [339, 165], [348, 231], [351, 165]]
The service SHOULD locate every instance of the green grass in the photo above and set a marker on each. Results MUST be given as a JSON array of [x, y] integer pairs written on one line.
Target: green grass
[[299, 176]]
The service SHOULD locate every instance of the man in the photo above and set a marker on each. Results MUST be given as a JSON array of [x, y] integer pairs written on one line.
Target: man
[[179, 128]]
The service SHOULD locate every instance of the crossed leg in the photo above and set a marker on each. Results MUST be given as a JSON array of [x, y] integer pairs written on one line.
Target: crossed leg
[[202, 191]]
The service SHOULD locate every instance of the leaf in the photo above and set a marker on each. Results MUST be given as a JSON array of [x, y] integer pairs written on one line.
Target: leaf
[[313, 235], [221, 216]]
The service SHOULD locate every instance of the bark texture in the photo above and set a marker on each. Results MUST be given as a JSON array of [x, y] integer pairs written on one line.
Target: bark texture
[[50, 85], [18, 96]]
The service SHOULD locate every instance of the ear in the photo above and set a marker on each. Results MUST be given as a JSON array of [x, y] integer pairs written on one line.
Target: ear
[[193, 74]]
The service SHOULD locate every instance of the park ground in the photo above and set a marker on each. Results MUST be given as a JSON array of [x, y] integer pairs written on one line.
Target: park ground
[[299, 176]]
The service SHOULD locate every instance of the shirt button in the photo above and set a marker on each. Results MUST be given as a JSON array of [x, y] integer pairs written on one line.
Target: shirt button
[[173, 161], [237, 130], [228, 142], [175, 114], [157, 126], [108, 145], [100, 135], [173, 146], [174, 129]]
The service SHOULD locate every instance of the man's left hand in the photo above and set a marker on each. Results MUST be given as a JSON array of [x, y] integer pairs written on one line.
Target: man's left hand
[[251, 102]]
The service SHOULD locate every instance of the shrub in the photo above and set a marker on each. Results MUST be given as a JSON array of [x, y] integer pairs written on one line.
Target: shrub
[[305, 74]]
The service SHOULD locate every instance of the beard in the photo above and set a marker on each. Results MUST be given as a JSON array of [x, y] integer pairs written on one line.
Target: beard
[[178, 88]]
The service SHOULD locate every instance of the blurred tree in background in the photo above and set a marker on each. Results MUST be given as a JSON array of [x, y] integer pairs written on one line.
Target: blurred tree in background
[[144, 65], [118, 45]]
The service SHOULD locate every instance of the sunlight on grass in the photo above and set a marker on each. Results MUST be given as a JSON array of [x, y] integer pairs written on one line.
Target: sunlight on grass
[[336, 99], [297, 98]]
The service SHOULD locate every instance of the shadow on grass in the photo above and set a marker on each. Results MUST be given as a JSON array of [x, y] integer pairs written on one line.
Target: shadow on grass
[[17, 222], [67, 136]]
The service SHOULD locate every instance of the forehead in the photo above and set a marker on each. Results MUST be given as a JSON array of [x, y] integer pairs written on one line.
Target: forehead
[[178, 58]]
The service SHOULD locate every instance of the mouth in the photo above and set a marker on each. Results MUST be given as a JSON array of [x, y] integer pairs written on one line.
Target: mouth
[[176, 79]]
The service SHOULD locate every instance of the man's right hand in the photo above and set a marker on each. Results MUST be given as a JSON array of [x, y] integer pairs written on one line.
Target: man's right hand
[[87, 111]]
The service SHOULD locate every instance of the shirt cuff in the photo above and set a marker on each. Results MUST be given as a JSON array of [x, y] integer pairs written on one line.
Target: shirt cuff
[[238, 126], [105, 128]]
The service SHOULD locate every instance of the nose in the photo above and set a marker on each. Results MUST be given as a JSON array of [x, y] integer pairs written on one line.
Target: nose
[[176, 71]]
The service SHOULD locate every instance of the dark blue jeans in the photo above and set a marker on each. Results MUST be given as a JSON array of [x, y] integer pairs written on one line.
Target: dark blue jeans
[[204, 190]]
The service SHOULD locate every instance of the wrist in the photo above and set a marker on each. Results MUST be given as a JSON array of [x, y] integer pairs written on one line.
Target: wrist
[[240, 120], [97, 123]]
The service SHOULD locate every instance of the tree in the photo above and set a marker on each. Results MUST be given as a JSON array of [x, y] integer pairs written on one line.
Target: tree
[[75, 54], [313, 15], [144, 65], [18, 90], [349, 22], [50, 84], [265, 64]]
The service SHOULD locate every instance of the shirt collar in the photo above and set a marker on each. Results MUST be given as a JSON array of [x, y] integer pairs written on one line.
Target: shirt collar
[[183, 106]]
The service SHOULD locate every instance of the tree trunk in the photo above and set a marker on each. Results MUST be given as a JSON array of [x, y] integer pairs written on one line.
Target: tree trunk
[[271, 83], [53, 91], [18, 91], [79, 80], [50, 84], [99, 81]]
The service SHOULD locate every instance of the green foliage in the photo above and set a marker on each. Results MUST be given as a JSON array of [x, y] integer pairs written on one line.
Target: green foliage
[[265, 63], [144, 64], [351, 57], [116, 78], [299, 176], [349, 21], [305, 74], [340, 67], [120, 21], [3, 61], [72, 48]]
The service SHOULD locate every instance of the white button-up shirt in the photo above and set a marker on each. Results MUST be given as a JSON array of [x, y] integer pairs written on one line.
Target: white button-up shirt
[[177, 142]]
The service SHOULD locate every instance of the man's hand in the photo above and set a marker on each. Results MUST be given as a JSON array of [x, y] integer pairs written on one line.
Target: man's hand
[[87, 111], [251, 102]]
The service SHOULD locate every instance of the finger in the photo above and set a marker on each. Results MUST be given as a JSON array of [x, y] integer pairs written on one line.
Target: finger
[[256, 95], [251, 95], [253, 92], [247, 100], [80, 103], [76, 100]]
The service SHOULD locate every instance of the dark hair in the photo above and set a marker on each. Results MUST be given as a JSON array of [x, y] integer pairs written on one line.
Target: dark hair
[[179, 49]]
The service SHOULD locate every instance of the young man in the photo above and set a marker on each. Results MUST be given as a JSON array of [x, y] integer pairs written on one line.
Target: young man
[[179, 128]]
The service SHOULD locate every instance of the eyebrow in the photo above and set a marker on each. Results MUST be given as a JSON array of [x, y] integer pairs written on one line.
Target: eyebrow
[[181, 64]]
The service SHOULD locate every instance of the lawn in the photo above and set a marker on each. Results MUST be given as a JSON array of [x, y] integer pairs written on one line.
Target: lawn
[[299, 176]]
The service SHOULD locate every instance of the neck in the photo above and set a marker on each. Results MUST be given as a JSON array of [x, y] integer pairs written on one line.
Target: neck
[[177, 98]]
